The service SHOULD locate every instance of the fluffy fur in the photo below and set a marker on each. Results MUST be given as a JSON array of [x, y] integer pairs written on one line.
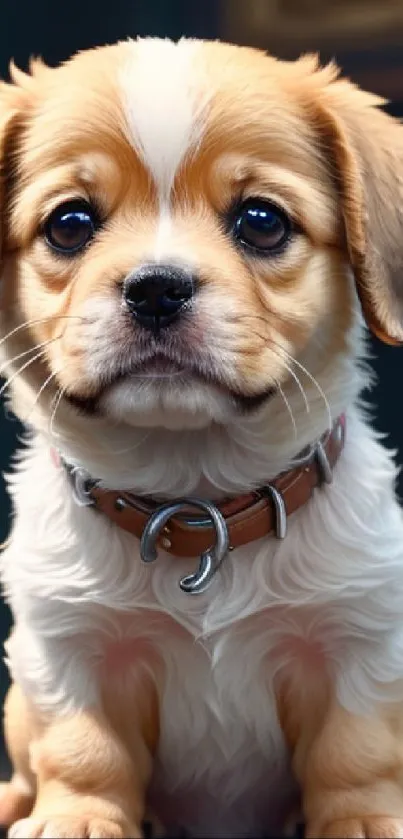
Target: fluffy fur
[[200, 705]]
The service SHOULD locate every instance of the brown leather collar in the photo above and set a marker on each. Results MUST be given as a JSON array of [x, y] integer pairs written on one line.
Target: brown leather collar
[[247, 517]]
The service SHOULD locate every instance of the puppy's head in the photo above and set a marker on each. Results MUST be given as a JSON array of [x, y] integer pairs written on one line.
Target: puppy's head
[[181, 221]]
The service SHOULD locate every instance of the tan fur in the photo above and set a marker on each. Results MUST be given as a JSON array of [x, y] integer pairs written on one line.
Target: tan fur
[[350, 768], [342, 183], [80, 768], [17, 797], [353, 774]]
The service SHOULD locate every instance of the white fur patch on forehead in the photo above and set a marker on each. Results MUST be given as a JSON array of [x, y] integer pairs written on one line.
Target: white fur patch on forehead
[[164, 102]]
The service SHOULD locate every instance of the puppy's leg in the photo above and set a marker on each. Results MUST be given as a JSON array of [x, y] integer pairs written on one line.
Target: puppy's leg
[[93, 768], [88, 783], [350, 768], [17, 796]]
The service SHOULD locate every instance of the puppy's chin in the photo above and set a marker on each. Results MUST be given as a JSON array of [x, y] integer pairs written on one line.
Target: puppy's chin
[[149, 404]]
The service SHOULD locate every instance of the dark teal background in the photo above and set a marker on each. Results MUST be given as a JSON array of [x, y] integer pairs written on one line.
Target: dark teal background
[[55, 30]]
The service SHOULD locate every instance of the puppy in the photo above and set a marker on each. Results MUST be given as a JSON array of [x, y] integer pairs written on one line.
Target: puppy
[[206, 564]]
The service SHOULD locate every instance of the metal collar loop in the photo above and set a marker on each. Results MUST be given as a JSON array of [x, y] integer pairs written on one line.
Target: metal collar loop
[[210, 560], [82, 484]]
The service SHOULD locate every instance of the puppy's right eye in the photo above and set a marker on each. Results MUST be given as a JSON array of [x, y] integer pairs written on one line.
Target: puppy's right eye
[[71, 226]]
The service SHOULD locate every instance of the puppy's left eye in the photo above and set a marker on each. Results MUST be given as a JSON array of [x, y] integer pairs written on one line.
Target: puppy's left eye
[[71, 226], [261, 226]]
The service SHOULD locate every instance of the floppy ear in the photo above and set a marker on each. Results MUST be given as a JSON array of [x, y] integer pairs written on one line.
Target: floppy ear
[[9, 117], [366, 153], [15, 101]]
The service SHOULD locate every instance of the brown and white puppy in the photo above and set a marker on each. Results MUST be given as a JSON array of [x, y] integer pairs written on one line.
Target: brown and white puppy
[[269, 192]]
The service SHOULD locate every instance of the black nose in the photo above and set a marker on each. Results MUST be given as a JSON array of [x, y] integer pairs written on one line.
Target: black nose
[[156, 294]]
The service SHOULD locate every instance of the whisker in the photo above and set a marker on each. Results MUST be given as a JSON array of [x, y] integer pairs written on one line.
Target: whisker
[[280, 352], [283, 352], [29, 323], [20, 370], [58, 398], [40, 391], [318, 388], [26, 352], [289, 409], [299, 386], [293, 375], [114, 452]]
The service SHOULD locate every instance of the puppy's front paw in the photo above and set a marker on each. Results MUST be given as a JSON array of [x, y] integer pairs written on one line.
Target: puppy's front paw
[[15, 801], [68, 827], [367, 827]]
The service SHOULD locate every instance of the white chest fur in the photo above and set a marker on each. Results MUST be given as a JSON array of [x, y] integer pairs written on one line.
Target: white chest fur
[[333, 586]]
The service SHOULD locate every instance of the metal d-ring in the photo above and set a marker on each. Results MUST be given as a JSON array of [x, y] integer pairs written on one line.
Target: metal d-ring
[[210, 560], [82, 485], [322, 460], [280, 511]]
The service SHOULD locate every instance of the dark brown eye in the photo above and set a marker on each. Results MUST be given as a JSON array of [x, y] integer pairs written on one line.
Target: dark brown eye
[[261, 226], [70, 227]]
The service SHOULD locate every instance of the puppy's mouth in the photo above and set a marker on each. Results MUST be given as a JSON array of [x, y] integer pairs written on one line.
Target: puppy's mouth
[[163, 373]]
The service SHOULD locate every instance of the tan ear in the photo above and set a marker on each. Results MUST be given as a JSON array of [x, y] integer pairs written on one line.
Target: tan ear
[[365, 147], [15, 102], [9, 118]]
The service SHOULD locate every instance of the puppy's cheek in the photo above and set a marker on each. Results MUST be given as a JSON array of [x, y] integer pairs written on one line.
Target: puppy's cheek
[[318, 306], [86, 340]]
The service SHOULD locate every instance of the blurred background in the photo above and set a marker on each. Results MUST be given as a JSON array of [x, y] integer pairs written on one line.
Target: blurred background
[[365, 37]]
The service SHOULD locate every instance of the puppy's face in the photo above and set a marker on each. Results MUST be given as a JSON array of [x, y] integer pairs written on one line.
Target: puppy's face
[[182, 221]]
